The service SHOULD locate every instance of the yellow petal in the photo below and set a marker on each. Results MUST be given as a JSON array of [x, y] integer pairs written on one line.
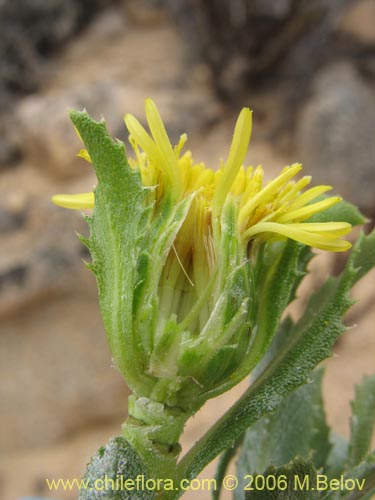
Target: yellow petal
[[254, 184], [267, 193], [239, 183], [140, 136], [309, 195], [309, 210], [313, 239], [181, 143], [74, 201], [292, 189], [329, 229], [237, 153], [170, 165], [85, 155]]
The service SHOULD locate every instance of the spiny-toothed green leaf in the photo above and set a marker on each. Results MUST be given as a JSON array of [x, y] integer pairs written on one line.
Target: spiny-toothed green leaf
[[366, 259], [362, 423], [355, 484], [85, 241], [338, 456], [294, 481], [114, 227], [298, 427]]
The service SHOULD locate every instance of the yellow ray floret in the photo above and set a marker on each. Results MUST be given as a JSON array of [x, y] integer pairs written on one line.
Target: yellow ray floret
[[75, 201], [277, 209]]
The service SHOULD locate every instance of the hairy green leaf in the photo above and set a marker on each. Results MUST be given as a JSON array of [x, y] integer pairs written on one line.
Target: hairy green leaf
[[298, 427], [294, 481], [366, 259], [362, 422], [355, 484], [110, 467], [114, 231], [338, 456]]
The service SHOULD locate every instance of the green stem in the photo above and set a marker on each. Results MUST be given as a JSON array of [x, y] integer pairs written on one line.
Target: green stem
[[153, 430]]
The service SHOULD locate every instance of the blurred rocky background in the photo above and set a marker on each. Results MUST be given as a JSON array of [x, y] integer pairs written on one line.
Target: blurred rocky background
[[305, 68]]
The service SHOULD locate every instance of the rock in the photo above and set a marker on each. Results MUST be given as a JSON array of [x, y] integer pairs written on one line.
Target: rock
[[12, 215], [335, 135], [49, 141], [270, 8], [38, 259], [186, 104], [55, 364], [10, 141], [56, 373], [40, 254], [272, 39], [145, 12], [358, 21], [31, 31]]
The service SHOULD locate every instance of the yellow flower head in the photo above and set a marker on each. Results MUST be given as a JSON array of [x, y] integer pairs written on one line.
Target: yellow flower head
[[278, 209], [190, 294]]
